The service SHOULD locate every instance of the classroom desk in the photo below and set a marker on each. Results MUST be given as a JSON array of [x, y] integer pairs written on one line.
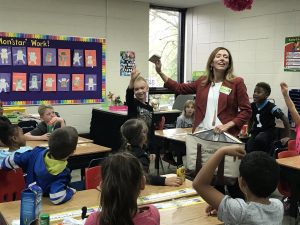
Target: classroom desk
[[174, 134], [83, 154], [173, 139], [81, 140], [192, 214], [105, 125], [290, 172], [188, 215], [11, 210], [150, 189]]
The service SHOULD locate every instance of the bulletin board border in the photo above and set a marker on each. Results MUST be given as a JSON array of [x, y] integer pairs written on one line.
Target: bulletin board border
[[63, 38]]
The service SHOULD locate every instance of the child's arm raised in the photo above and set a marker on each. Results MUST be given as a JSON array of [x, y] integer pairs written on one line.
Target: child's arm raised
[[289, 103], [134, 74], [203, 179]]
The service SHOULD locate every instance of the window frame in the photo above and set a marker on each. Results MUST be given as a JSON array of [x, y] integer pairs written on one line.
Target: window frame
[[181, 48]]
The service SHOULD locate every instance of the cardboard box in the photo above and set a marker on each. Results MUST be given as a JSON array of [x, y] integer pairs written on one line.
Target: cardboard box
[[31, 204]]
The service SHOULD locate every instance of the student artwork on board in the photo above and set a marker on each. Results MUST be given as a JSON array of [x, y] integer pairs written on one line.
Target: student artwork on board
[[19, 56], [34, 56], [49, 56], [5, 82], [49, 82], [90, 58], [19, 81], [292, 54], [90, 82], [35, 82], [5, 55], [64, 57], [78, 58], [63, 82], [77, 82], [127, 62]]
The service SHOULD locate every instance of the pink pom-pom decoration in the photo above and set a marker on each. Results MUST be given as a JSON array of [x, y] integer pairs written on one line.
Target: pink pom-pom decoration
[[238, 5]]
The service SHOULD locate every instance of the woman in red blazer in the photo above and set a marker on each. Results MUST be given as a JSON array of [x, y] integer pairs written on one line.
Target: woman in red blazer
[[222, 102]]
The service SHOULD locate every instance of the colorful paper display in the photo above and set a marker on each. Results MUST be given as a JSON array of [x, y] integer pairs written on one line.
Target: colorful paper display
[[36, 69]]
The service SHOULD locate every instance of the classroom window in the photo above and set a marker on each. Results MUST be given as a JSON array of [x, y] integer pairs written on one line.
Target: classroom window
[[165, 39]]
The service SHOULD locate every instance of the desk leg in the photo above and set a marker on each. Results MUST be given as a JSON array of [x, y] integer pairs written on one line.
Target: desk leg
[[158, 159]]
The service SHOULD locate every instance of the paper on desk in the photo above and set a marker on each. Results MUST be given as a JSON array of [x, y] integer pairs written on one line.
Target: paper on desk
[[178, 203], [165, 196], [66, 216]]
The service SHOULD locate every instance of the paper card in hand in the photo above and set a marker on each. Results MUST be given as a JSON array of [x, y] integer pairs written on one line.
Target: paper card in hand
[[154, 58]]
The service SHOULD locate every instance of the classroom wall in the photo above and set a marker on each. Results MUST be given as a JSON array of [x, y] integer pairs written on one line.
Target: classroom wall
[[255, 38], [124, 24]]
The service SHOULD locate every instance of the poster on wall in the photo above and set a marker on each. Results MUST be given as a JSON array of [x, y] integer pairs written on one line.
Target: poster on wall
[[292, 54], [127, 62], [44, 69]]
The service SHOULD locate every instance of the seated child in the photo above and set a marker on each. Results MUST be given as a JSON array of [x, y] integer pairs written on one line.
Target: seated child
[[122, 181], [262, 123], [11, 136], [293, 111], [259, 176], [49, 123], [3, 119], [134, 133], [48, 167], [186, 119]]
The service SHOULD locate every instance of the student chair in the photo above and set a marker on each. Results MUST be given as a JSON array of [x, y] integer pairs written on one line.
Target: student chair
[[92, 177], [28, 125], [283, 187], [161, 124], [292, 145], [180, 101], [12, 184], [93, 174]]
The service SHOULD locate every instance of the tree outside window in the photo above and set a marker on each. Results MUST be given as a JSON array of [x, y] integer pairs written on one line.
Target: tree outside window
[[164, 41]]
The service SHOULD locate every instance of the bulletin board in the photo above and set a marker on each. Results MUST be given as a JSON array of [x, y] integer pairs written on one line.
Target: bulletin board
[[292, 54], [36, 69]]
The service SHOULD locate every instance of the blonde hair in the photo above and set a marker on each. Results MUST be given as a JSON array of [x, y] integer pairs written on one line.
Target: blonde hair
[[42, 108], [186, 104], [140, 78], [209, 70]]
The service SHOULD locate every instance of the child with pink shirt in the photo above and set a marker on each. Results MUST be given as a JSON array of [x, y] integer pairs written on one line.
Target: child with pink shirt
[[295, 115], [122, 181]]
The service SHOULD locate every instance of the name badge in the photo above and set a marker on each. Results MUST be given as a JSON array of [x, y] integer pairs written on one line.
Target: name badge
[[225, 90]]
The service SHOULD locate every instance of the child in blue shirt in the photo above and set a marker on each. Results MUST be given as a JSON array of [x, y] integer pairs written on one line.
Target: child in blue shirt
[[48, 167], [262, 123]]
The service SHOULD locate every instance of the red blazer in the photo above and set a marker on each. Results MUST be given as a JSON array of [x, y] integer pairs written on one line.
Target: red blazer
[[234, 106]]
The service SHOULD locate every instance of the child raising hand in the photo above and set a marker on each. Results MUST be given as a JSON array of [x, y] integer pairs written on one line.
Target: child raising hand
[[138, 107], [294, 113]]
